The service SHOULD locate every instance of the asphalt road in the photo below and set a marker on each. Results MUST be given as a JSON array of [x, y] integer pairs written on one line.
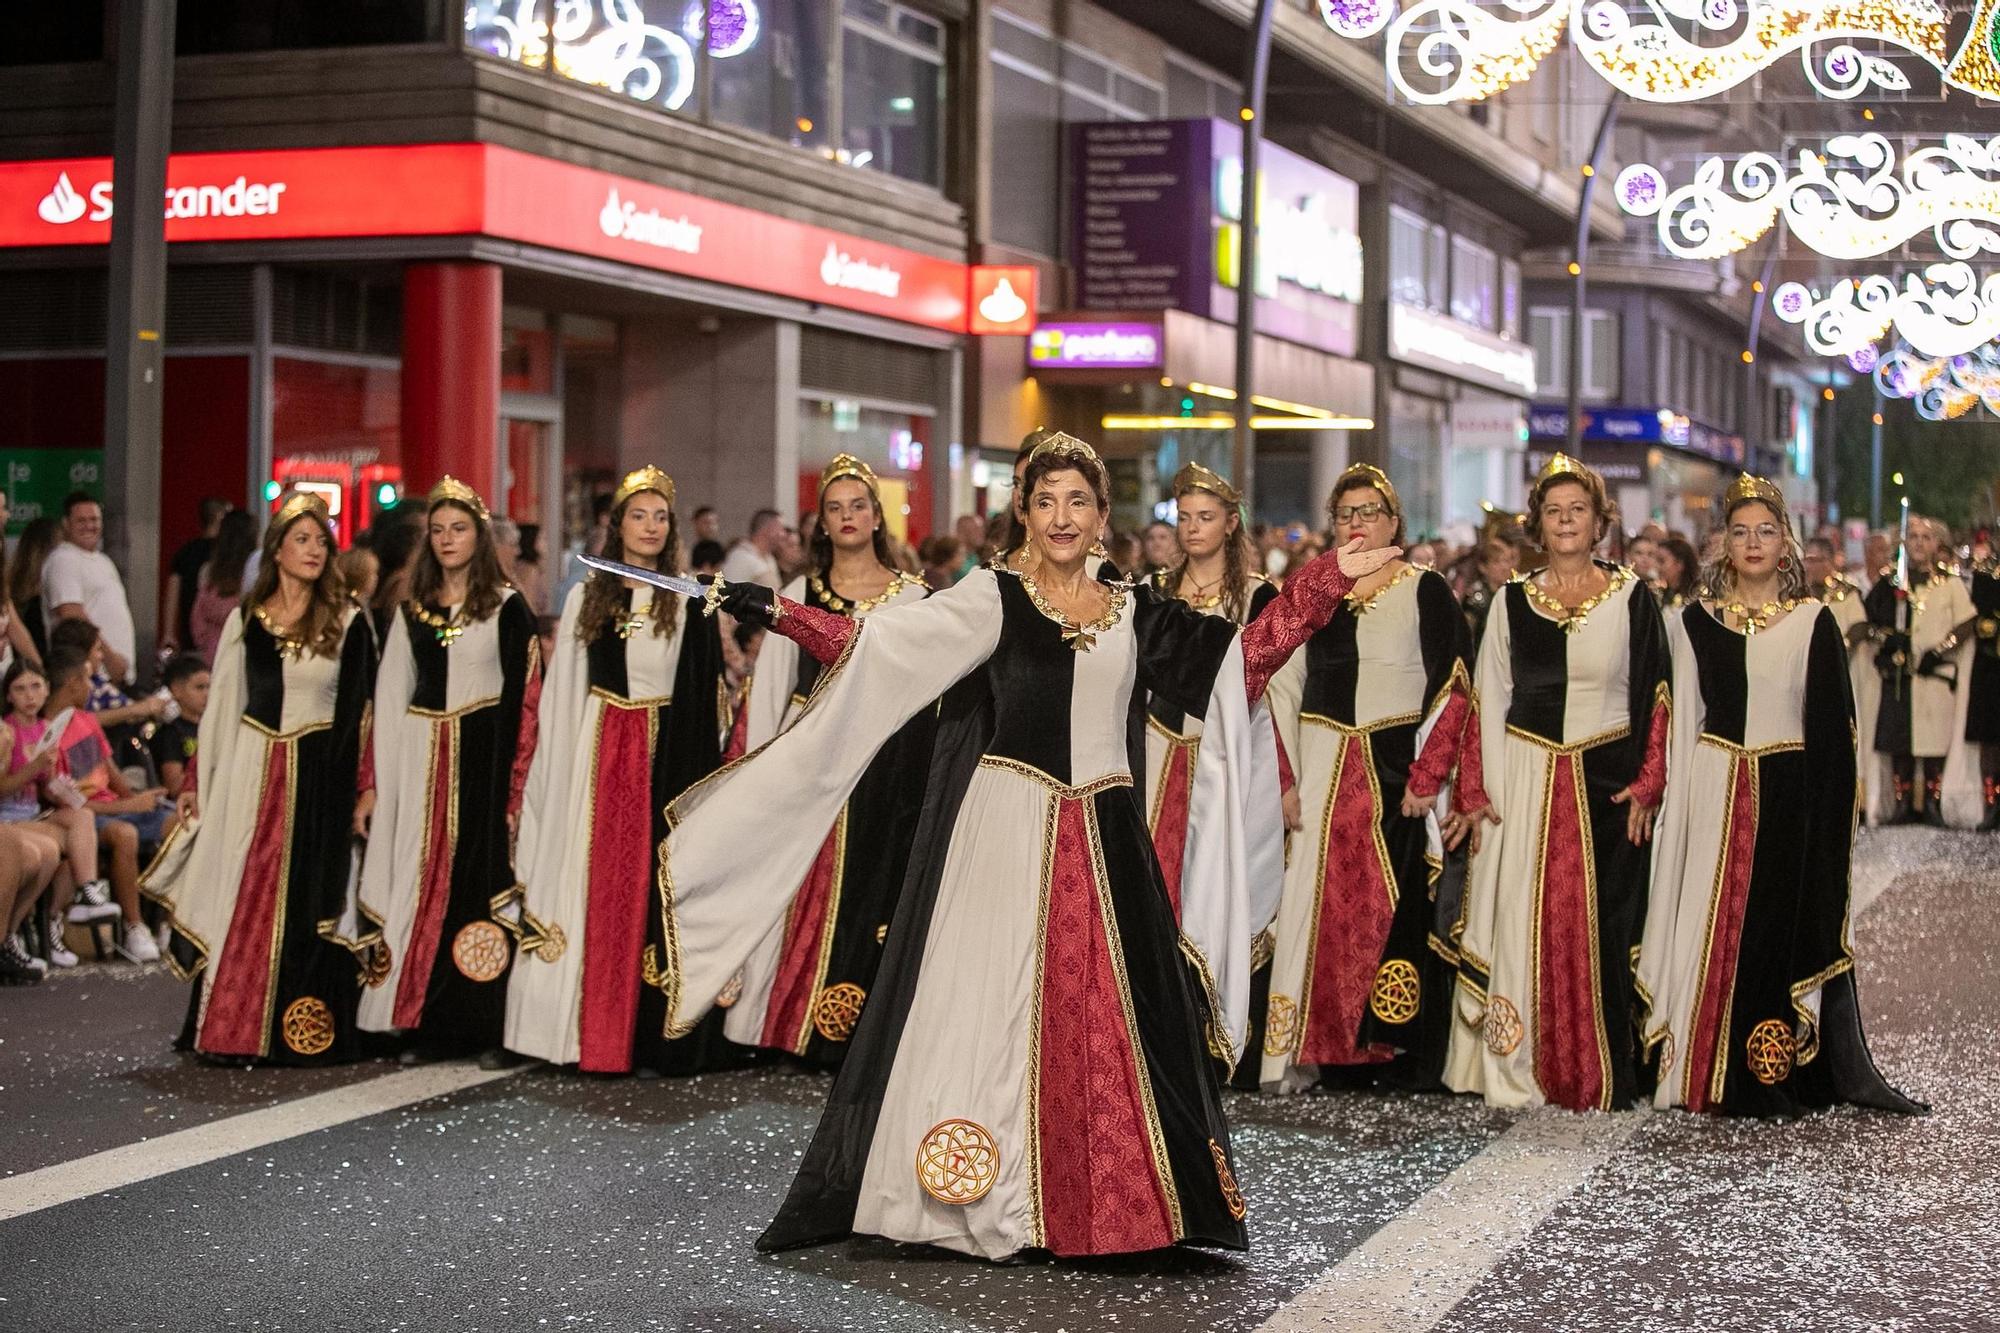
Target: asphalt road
[[142, 1190]]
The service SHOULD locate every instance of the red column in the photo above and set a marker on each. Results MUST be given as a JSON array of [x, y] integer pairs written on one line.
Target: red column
[[451, 375]]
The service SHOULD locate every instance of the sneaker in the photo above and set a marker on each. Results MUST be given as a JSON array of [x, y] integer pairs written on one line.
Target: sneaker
[[136, 943], [16, 968], [93, 903], [59, 953]]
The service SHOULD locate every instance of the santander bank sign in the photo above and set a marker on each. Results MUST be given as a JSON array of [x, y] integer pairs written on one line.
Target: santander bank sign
[[471, 190], [63, 204]]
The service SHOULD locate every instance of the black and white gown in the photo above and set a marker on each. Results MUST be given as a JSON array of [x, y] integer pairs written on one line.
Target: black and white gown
[[1746, 961], [1033, 1068]]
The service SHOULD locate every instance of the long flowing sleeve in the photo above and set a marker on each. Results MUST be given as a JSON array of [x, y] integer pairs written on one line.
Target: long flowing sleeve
[[228, 695], [773, 683], [547, 799], [1820, 948], [739, 844], [521, 689], [1670, 838], [1495, 688], [391, 730], [1309, 599]]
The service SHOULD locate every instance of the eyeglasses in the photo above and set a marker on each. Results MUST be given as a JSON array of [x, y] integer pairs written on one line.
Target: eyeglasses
[[1367, 513], [1765, 533]]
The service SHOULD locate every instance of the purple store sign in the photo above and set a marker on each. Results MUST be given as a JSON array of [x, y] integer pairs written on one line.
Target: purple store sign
[[1095, 346], [1158, 206]]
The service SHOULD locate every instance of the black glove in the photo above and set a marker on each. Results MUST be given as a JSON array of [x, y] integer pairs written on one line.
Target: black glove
[[745, 601], [1939, 667]]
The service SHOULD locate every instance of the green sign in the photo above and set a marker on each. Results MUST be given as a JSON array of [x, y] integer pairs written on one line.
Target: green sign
[[38, 479]]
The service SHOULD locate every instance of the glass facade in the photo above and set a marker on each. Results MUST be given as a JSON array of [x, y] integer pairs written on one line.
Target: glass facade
[[892, 91]]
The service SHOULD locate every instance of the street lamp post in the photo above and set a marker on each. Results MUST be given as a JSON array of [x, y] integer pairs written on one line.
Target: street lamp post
[[1605, 124], [1243, 462]]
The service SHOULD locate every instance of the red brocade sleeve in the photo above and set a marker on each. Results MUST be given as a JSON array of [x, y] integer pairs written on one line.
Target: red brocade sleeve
[[364, 771], [524, 743], [1442, 748], [1287, 779], [1470, 795], [821, 633], [1309, 599], [1651, 783]]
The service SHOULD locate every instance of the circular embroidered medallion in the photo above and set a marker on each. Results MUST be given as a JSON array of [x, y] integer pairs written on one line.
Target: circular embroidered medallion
[[836, 1010], [1503, 1026], [1769, 1051], [957, 1162], [551, 944], [1231, 1196], [1281, 1019], [307, 1025], [730, 993], [480, 951], [375, 970], [649, 966], [1397, 991]]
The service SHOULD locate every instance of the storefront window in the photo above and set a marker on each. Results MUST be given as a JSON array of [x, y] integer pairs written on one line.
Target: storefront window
[[892, 91], [776, 84]]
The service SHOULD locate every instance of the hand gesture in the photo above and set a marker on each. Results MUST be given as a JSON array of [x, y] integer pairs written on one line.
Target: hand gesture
[[188, 807], [1294, 814], [1459, 827], [364, 807], [1358, 564], [1638, 818]]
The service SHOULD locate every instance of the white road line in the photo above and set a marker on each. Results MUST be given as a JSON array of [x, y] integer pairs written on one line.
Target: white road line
[[1409, 1275], [117, 1168]]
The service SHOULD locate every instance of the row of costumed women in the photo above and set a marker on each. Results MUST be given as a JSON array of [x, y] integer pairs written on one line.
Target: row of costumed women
[[927, 859]]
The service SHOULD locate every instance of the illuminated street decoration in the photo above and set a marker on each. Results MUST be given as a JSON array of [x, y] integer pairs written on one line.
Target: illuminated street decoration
[[1667, 50], [1947, 310], [732, 26], [1859, 209], [1942, 388], [609, 44]]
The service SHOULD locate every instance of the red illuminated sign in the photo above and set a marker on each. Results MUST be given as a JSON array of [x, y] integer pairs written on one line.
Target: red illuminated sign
[[1002, 299], [484, 189]]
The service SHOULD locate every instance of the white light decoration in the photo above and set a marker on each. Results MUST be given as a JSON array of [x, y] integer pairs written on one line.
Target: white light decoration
[[1855, 211], [609, 44], [1946, 310], [730, 26], [1667, 50], [1942, 388]]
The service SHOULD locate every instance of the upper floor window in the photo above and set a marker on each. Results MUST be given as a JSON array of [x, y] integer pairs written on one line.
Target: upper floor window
[[1475, 283], [892, 90], [1416, 260]]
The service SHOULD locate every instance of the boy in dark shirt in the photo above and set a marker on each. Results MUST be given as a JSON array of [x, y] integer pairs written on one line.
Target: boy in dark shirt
[[172, 742]]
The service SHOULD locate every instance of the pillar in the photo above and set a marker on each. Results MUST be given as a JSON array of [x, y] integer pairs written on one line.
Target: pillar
[[1328, 460], [451, 375]]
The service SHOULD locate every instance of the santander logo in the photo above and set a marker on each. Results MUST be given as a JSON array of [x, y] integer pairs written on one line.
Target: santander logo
[[61, 204], [840, 269], [620, 219], [64, 204]]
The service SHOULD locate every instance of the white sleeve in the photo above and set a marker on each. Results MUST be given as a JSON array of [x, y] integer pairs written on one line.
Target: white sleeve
[[62, 580]]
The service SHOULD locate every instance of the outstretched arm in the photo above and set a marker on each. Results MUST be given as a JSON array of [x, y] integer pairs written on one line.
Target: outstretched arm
[[1309, 599]]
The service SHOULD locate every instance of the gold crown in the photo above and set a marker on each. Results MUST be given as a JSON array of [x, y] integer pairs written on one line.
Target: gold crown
[[452, 489], [1065, 445], [1195, 477], [647, 478], [1747, 487], [1560, 464], [297, 505], [1369, 474], [847, 465]]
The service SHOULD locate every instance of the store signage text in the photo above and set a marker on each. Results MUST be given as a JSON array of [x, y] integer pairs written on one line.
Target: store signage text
[[484, 189], [1437, 342], [1637, 425], [1097, 346], [1302, 241]]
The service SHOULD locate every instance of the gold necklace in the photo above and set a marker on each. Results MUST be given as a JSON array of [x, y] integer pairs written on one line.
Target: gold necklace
[[1759, 618], [1197, 599], [1080, 638], [1572, 618], [627, 623], [1362, 605], [833, 601], [448, 628], [288, 644]]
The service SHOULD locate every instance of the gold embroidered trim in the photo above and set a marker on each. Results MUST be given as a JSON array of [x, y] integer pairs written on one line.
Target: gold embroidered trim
[[1501, 1027], [1730, 747], [308, 1026], [802, 1037], [1062, 791], [1365, 729], [1361, 606], [837, 1010], [1572, 618], [1397, 993], [290, 647], [633, 705], [1769, 1051], [1558, 748], [1225, 1179], [279, 737], [453, 714], [1281, 1018], [1082, 637], [1221, 1042]]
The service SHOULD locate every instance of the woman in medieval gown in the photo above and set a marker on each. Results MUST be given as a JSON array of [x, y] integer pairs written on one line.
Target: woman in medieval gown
[[1361, 985], [804, 987], [256, 880], [1573, 702], [1034, 1068], [454, 732], [1746, 963], [629, 718]]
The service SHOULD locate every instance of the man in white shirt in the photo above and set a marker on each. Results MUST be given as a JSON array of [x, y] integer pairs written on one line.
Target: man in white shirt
[[754, 559], [80, 582]]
